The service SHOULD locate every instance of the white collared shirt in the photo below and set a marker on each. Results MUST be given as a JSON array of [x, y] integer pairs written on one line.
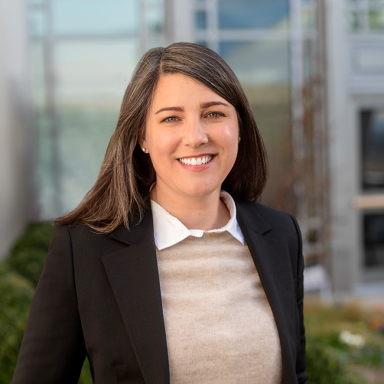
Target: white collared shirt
[[169, 231]]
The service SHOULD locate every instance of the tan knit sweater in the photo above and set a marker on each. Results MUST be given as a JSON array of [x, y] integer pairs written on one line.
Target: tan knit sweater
[[218, 322]]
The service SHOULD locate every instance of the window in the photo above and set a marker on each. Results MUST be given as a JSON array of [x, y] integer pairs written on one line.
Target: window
[[366, 15], [253, 14], [83, 54], [372, 147], [201, 19], [374, 239]]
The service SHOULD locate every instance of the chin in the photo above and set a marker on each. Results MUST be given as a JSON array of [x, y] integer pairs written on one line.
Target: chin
[[199, 189]]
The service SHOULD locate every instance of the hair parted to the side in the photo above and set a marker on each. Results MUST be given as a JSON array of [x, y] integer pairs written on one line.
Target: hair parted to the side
[[122, 186]]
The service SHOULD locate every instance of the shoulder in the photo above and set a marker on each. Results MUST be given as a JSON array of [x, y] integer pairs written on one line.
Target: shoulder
[[271, 223], [83, 239], [277, 220], [68, 231], [265, 210]]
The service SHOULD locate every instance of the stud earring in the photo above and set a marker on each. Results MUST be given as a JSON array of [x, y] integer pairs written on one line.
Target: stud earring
[[239, 139], [144, 149]]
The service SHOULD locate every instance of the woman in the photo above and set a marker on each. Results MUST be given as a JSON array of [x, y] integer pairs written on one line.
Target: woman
[[159, 276]]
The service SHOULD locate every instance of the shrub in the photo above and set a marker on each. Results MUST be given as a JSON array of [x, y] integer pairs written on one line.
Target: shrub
[[324, 326], [19, 275], [28, 254], [15, 299], [326, 365]]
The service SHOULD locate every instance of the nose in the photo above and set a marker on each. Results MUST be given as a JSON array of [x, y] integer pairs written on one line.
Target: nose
[[194, 133]]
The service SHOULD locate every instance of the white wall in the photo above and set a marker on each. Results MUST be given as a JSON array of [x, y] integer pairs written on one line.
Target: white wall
[[14, 118]]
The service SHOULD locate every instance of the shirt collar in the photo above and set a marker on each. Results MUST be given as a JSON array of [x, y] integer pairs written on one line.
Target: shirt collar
[[169, 231]]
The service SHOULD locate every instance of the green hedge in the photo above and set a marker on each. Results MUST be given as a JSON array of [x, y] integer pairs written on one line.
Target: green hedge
[[29, 252], [324, 325], [19, 275], [327, 365], [15, 299]]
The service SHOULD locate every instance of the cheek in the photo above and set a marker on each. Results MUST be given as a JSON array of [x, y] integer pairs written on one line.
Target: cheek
[[161, 146], [229, 140]]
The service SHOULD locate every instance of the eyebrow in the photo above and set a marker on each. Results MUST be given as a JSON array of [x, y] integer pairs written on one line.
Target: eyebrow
[[202, 106], [211, 103], [177, 109]]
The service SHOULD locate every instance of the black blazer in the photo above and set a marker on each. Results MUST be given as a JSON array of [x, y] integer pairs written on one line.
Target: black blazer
[[99, 295]]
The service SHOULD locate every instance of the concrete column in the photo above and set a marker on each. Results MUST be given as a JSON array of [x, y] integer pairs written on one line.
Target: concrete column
[[344, 240], [180, 20]]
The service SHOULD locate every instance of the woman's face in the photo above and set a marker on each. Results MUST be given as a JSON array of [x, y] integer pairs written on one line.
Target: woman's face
[[191, 135]]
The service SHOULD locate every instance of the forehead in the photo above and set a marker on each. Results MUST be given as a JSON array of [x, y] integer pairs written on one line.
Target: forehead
[[181, 88]]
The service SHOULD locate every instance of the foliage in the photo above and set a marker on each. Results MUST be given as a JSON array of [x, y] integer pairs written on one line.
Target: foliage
[[325, 365], [15, 299], [19, 275], [329, 357], [85, 377], [28, 254]]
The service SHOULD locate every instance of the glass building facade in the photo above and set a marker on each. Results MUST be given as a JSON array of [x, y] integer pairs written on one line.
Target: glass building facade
[[366, 15], [83, 54]]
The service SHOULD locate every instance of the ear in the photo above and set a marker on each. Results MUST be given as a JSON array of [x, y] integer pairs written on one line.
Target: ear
[[141, 140]]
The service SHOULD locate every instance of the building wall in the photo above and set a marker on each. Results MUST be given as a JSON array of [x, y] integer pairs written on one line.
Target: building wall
[[14, 122], [355, 80]]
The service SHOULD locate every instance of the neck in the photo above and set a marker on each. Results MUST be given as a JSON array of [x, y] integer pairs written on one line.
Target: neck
[[197, 212]]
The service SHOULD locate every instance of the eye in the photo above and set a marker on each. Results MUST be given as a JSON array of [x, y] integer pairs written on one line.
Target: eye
[[171, 119], [215, 115]]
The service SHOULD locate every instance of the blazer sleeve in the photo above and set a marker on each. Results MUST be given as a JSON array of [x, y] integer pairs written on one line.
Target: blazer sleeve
[[53, 347], [302, 376]]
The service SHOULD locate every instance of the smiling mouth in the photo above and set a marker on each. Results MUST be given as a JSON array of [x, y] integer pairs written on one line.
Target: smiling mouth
[[196, 160]]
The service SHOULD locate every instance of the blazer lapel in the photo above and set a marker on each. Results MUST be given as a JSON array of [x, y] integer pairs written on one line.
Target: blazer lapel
[[133, 275], [271, 258]]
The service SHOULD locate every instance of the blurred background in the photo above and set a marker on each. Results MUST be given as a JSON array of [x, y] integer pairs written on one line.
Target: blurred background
[[313, 71]]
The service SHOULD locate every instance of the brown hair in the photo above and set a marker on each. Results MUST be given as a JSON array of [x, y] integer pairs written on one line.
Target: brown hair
[[126, 174]]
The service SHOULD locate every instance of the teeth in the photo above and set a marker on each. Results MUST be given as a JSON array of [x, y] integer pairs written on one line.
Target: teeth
[[196, 160]]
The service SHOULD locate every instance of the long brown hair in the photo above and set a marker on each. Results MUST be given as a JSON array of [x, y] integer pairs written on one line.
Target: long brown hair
[[126, 174]]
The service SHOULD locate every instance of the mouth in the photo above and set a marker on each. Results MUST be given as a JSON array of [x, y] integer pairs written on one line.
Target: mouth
[[198, 160]]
